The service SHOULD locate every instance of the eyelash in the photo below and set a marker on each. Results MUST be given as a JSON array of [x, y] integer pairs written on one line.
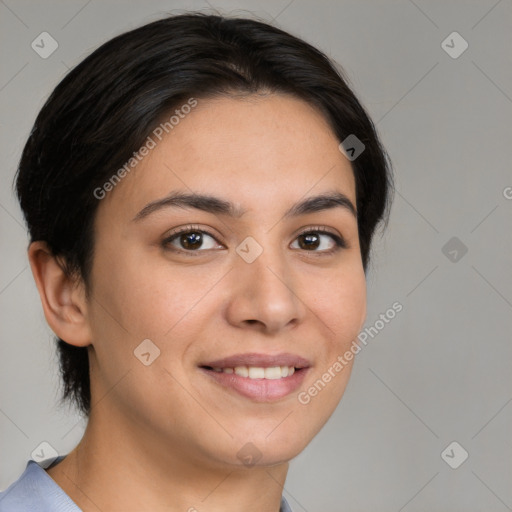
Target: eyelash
[[339, 241]]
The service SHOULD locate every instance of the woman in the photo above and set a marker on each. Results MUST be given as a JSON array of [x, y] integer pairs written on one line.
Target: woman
[[201, 194]]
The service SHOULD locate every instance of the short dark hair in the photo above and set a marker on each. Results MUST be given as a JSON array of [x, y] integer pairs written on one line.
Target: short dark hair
[[104, 109]]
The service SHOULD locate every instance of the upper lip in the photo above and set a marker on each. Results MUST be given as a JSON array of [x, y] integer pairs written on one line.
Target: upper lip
[[259, 360]]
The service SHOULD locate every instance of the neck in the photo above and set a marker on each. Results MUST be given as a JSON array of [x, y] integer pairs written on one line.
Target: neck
[[127, 468]]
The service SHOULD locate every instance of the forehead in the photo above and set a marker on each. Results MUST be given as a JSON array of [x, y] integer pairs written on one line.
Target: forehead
[[260, 152]]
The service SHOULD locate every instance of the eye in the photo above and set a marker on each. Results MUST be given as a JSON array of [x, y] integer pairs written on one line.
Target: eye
[[190, 239], [320, 240]]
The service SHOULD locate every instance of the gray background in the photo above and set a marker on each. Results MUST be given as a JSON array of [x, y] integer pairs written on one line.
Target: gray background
[[440, 371]]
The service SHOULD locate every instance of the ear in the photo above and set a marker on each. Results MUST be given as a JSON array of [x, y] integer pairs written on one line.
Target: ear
[[62, 297]]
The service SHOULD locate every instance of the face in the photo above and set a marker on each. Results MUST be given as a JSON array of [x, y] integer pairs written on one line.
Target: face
[[228, 296]]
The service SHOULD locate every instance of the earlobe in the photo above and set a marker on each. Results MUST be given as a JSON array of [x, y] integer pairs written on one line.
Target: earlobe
[[62, 297]]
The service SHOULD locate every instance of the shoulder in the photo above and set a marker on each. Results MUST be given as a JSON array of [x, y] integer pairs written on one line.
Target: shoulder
[[284, 505], [35, 491]]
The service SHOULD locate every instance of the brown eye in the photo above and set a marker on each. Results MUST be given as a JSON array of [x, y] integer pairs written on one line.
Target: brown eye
[[320, 241], [309, 241], [190, 240]]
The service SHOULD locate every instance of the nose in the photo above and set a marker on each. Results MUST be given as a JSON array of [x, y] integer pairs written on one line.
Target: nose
[[264, 294]]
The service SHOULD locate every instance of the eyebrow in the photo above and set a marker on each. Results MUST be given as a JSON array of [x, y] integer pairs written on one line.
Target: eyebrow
[[216, 205]]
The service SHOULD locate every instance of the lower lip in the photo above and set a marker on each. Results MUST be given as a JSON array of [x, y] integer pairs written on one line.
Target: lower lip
[[259, 390]]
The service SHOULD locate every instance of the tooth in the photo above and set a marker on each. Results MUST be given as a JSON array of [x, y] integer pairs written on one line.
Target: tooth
[[217, 369], [273, 372], [242, 371], [256, 373]]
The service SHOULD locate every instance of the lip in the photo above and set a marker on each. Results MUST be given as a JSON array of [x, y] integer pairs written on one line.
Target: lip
[[260, 360], [258, 390]]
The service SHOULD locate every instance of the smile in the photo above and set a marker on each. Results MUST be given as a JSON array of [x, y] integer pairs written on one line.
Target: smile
[[258, 372], [259, 377]]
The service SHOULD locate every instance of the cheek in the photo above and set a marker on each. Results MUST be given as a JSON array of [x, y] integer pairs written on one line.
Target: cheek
[[339, 302], [145, 296], [133, 301], [340, 306]]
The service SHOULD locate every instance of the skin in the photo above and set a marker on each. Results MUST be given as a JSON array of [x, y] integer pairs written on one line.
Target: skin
[[165, 436]]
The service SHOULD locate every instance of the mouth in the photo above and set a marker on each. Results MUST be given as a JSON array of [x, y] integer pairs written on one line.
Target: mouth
[[259, 377], [257, 372]]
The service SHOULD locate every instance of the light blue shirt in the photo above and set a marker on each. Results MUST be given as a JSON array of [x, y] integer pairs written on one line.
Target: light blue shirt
[[36, 491]]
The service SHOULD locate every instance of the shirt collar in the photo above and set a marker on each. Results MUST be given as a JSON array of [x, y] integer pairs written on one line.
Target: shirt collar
[[36, 491]]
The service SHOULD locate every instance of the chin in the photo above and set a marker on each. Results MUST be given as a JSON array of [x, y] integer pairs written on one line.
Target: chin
[[268, 450]]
